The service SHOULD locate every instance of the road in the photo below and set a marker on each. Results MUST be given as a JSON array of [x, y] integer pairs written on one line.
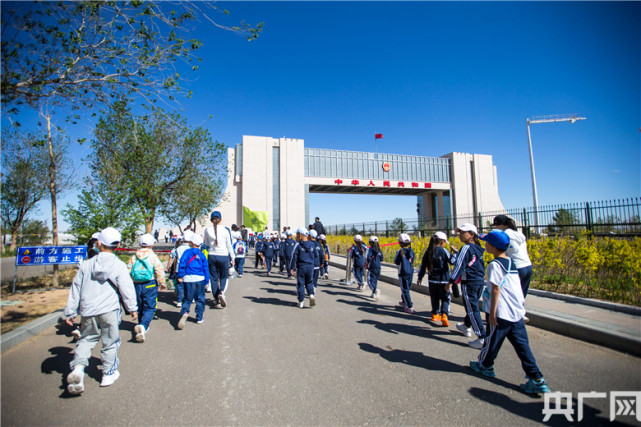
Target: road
[[263, 361]]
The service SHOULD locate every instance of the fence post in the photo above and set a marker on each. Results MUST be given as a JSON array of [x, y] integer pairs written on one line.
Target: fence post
[[526, 226], [588, 218], [480, 223], [386, 229]]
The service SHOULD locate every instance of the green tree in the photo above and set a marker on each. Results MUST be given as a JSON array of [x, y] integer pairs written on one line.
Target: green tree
[[154, 159], [562, 221], [34, 232], [24, 183], [398, 226]]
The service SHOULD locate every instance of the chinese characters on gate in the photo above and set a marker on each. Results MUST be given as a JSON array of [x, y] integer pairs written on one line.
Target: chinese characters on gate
[[398, 184], [50, 255]]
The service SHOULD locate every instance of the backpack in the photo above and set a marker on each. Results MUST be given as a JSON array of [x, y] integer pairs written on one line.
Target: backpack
[[142, 271], [240, 249]]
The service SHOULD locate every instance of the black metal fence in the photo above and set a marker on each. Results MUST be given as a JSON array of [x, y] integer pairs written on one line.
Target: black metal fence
[[616, 218]]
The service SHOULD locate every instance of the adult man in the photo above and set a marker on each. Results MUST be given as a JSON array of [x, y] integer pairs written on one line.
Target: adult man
[[94, 295], [318, 226]]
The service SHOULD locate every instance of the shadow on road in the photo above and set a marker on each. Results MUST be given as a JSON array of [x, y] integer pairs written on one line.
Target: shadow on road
[[59, 363], [419, 331], [415, 358], [272, 301]]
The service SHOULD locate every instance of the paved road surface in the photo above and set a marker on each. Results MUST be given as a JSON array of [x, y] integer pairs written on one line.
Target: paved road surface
[[262, 361]]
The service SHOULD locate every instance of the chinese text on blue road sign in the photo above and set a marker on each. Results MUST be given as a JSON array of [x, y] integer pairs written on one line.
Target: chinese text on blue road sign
[[49, 255]]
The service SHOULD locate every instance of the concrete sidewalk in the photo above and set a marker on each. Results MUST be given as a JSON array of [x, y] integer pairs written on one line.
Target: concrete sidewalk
[[611, 325]]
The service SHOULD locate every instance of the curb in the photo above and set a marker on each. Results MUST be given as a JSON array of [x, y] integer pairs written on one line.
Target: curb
[[31, 329], [562, 323]]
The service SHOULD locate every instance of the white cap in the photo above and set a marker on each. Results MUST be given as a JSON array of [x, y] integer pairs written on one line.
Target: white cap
[[404, 238], [440, 235], [237, 235], [267, 235], [313, 233], [322, 237], [109, 236], [289, 233], [283, 236], [373, 239], [95, 235], [467, 227], [187, 235], [147, 240], [303, 231], [358, 238], [196, 239]]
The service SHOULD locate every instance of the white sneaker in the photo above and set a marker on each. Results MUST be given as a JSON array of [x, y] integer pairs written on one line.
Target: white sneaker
[[179, 304], [327, 277], [200, 321], [75, 380], [108, 380], [183, 321], [464, 330], [378, 295], [140, 333], [76, 334], [312, 300], [221, 299], [301, 304], [477, 343]]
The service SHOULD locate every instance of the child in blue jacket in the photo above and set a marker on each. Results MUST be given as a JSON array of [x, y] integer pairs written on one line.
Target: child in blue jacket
[[303, 260], [436, 262], [373, 260], [268, 250], [469, 269], [357, 253], [404, 259], [193, 271]]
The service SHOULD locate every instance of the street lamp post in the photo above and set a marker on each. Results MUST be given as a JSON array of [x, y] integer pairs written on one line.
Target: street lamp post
[[543, 119]]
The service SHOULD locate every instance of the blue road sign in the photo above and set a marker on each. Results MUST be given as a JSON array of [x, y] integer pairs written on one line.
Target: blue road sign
[[50, 255]]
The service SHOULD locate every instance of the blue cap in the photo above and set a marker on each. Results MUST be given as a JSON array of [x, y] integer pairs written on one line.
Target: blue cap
[[497, 238], [216, 214]]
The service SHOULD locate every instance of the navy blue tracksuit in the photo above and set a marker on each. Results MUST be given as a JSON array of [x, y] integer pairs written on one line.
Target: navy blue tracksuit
[[404, 259], [288, 251], [357, 252], [303, 259], [268, 251], [373, 259], [470, 270]]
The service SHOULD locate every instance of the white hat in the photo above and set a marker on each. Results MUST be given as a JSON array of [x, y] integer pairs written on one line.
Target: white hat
[[237, 235], [404, 238], [109, 236], [322, 237], [373, 239], [289, 233], [313, 233], [302, 230], [440, 235], [467, 227], [147, 240], [95, 235], [267, 235], [196, 239], [358, 238], [283, 235], [187, 235]]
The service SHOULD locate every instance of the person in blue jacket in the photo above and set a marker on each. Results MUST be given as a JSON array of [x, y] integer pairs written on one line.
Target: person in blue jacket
[[322, 239], [436, 262], [193, 271], [288, 251], [357, 253], [469, 269], [405, 260], [268, 250], [259, 246], [303, 259], [373, 260], [320, 256]]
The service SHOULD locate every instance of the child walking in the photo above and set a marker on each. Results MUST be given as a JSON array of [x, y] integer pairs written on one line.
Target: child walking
[[240, 249], [193, 271], [373, 260], [172, 266], [404, 259], [268, 250], [357, 253], [144, 265], [436, 262], [319, 259], [506, 312], [470, 270], [303, 260], [325, 270]]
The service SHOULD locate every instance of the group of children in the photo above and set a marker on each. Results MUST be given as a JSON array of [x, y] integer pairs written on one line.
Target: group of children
[[503, 293]]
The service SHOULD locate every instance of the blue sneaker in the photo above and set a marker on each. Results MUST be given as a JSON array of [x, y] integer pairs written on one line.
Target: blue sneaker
[[478, 367], [535, 386]]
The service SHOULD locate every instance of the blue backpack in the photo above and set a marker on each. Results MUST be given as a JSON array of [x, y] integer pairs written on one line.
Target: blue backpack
[[142, 271]]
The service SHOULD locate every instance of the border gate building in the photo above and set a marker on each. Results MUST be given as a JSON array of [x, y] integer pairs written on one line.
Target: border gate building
[[276, 175]]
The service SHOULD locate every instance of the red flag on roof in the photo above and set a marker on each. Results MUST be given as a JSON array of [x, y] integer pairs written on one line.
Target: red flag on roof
[[378, 136]]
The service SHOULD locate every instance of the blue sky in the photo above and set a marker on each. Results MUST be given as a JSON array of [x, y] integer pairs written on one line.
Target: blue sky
[[434, 77]]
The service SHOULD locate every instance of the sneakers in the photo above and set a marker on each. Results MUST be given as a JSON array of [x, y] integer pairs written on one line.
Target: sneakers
[[360, 288], [402, 304], [312, 300], [467, 332], [221, 299], [444, 320], [410, 310], [326, 277], [479, 368], [200, 321], [535, 386], [76, 334], [140, 333], [526, 319], [301, 304], [108, 380], [378, 295], [436, 318], [183, 321], [477, 343], [179, 304], [75, 380]]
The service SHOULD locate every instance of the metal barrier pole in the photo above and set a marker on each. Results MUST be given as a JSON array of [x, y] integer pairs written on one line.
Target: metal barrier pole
[[348, 270]]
